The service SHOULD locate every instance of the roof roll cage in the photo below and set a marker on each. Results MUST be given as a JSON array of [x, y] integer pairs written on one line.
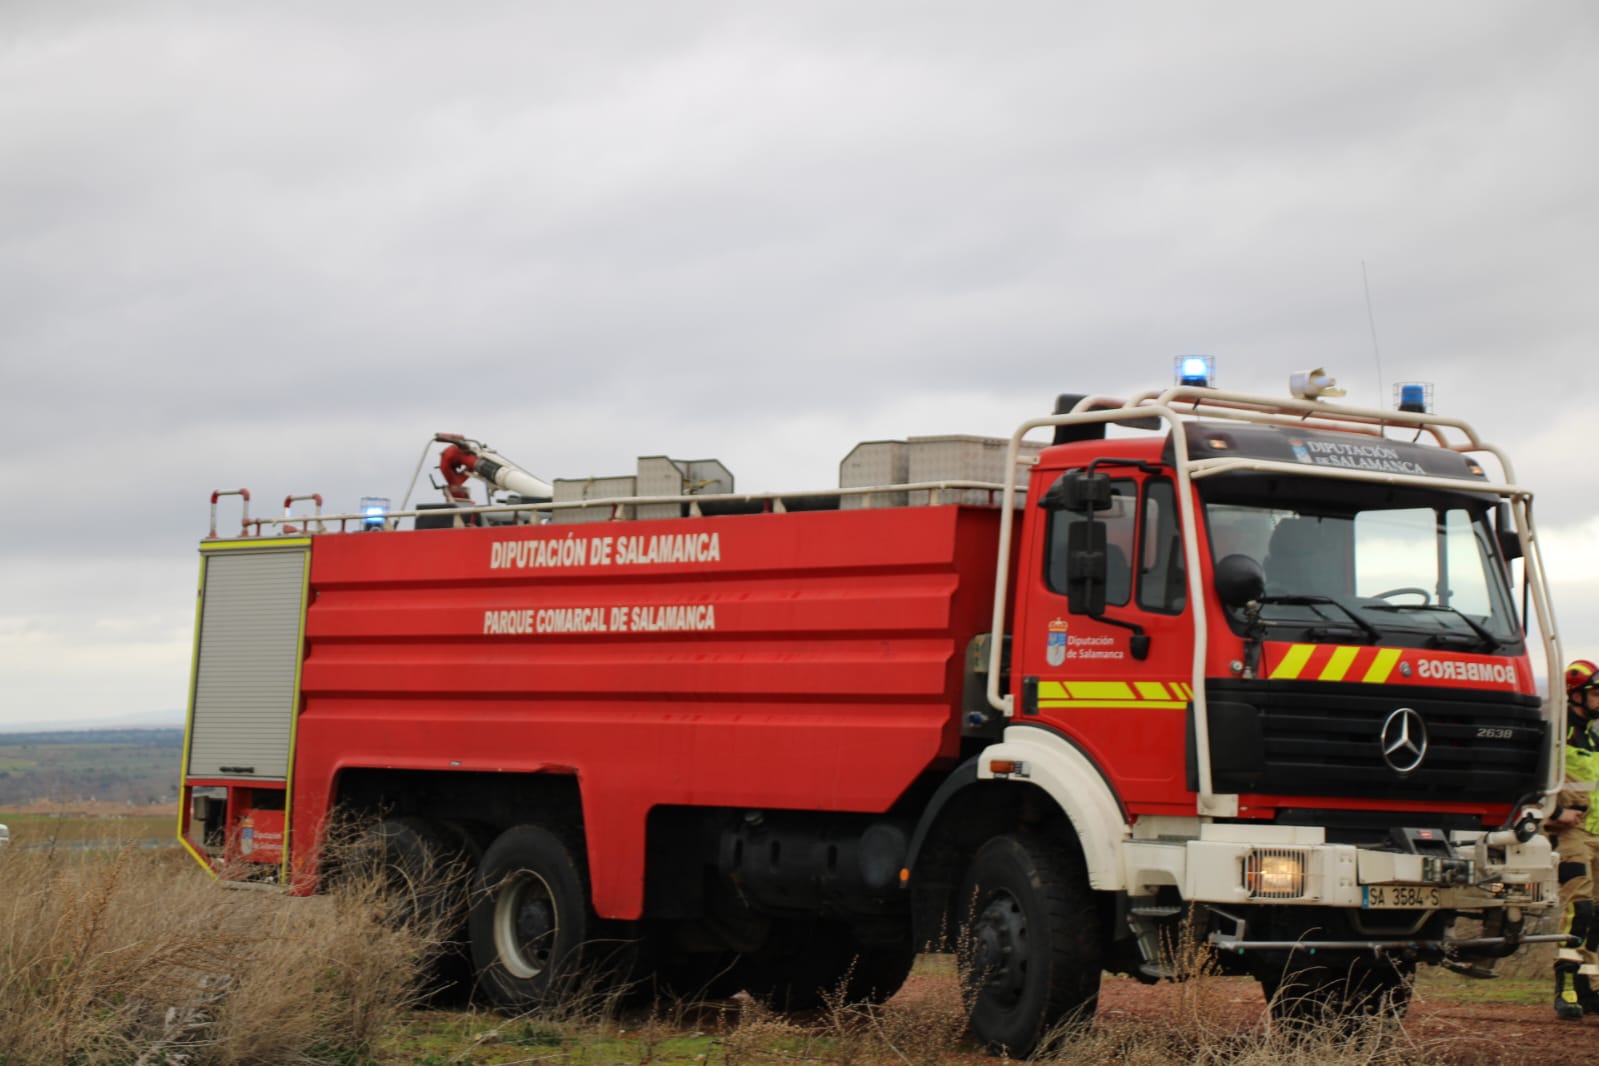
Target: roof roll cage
[[1294, 412]]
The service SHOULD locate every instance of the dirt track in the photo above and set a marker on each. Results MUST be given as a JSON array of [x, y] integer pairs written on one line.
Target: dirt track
[[1467, 1033], [1437, 1028]]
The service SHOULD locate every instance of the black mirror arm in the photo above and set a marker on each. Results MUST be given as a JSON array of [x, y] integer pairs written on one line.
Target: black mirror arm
[[1254, 639], [1138, 643]]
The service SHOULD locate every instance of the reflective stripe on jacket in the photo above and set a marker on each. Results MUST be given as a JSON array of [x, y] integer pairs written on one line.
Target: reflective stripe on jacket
[[1582, 766]]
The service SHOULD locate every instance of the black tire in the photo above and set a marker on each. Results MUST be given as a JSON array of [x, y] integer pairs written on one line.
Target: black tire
[[471, 839], [425, 877], [1031, 951], [530, 918], [1341, 992], [423, 873]]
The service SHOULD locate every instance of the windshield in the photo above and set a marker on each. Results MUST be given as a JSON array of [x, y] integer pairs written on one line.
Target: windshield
[[1419, 571]]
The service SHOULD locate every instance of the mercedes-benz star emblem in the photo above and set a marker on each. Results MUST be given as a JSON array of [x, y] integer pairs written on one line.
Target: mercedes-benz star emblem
[[1404, 740]]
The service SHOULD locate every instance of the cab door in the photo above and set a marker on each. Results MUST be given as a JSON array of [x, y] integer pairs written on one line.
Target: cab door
[[1113, 676]]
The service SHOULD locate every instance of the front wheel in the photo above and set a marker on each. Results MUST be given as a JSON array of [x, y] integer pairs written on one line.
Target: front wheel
[[1031, 954], [530, 919]]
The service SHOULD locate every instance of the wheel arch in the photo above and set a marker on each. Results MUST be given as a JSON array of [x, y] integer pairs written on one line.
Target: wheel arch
[[486, 803], [1055, 783], [498, 799]]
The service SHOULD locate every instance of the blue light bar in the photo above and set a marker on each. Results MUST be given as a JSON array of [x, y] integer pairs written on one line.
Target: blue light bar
[[1196, 371]]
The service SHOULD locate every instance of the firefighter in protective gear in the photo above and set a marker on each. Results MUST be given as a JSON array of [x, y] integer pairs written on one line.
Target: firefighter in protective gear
[[1574, 826]]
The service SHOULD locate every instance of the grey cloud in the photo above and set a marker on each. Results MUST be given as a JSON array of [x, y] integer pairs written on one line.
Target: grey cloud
[[280, 246]]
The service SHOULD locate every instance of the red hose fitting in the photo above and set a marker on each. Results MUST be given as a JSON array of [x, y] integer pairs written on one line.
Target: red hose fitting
[[454, 462]]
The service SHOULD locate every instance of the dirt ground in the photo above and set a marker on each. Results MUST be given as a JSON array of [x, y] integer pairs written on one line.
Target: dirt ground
[[1219, 1011], [1470, 1033]]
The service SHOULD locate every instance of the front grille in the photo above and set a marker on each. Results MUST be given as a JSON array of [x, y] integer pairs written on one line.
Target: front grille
[[1317, 739]]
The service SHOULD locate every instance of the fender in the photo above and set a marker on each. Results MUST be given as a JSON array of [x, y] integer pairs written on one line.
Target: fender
[[1056, 765], [960, 778], [1069, 777]]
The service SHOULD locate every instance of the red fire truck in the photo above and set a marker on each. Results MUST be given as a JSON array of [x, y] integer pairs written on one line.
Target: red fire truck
[[1253, 664]]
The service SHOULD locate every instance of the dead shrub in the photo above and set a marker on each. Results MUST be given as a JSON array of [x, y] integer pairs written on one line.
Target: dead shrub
[[128, 957], [761, 1037], [919, 1029]]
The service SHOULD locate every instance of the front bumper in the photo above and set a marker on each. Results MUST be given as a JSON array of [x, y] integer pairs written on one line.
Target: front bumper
[[1294, 866]]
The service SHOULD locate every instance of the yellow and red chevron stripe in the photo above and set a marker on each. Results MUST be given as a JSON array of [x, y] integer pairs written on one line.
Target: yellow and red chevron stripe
[[1147, 694], [1334, 662]]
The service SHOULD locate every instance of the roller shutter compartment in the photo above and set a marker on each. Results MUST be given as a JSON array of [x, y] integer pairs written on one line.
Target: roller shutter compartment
[[246, 672]]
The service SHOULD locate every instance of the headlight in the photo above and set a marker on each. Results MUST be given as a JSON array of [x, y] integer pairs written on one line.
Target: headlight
[[1274, 874]]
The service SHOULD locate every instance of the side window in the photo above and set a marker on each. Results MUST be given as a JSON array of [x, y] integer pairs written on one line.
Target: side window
[[1162, 580], [1118, 520]]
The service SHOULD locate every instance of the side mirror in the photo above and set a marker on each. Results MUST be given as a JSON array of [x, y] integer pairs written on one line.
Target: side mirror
[[1085, 568], [1078, 491], [1239, 579], [1505, 532]]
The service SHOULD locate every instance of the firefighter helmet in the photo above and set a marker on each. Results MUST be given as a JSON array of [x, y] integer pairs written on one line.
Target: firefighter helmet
[[1581, 674]]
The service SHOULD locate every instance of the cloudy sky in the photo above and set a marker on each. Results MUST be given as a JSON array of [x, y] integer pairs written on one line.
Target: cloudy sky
[[279, 245]]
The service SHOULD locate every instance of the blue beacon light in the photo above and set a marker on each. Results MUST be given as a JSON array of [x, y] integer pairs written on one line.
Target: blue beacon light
[[1413, 397], [1195, 371], [374, 509]]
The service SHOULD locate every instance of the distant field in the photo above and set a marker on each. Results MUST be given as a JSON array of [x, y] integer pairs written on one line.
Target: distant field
[[31, 830], [134, 767]]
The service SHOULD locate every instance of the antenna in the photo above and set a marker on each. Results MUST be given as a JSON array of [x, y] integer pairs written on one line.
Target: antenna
[[1371, 321]]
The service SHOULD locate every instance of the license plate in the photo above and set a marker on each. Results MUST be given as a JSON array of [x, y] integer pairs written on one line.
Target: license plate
[[1400, 897]]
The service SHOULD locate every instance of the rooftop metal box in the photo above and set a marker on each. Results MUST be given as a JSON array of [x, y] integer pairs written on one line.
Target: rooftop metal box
[[660, 476], [964, 458], [568, 490], [874, 462]]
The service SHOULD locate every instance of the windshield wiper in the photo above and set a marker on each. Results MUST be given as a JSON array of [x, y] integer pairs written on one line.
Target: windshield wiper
[[1312, 601], [1488, 640]]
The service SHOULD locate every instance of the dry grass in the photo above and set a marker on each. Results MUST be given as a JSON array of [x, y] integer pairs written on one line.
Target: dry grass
[[1196, 1022], [139, 957], [1197, 1027], [1177, 1040], [1196, 1030]]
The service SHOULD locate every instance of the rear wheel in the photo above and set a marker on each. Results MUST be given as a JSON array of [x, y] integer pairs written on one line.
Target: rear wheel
[[1031, 955], [424, 876], [531, 918]]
